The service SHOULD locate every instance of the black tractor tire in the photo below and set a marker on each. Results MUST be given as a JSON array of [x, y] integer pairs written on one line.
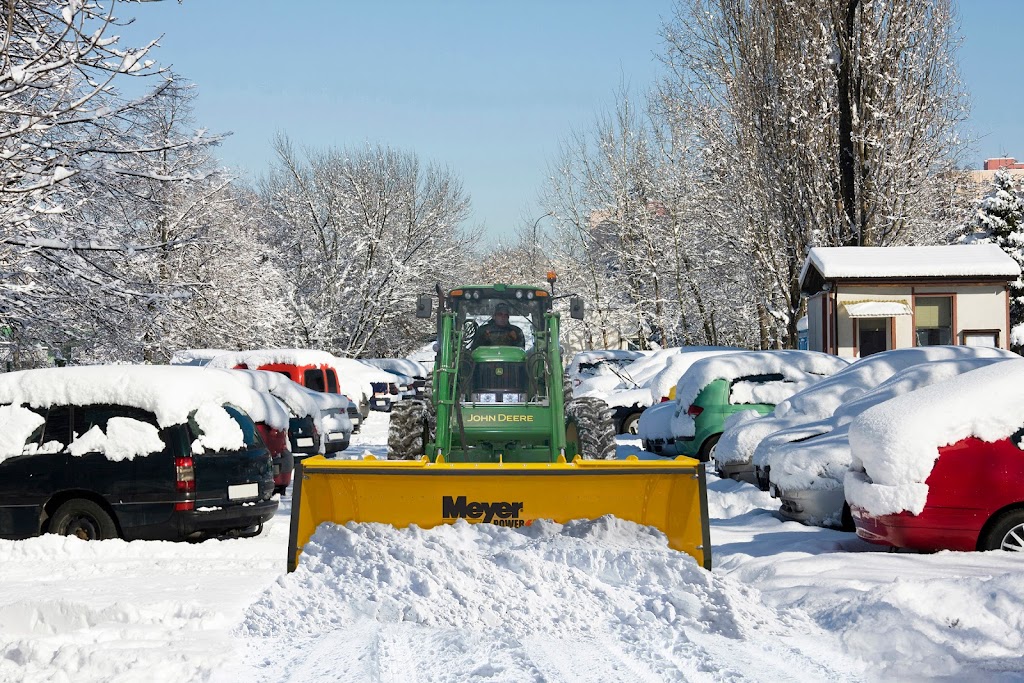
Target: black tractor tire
[[591, 420], [84, 519], [566, 389], [1004, 532], [707, 449], [413, 423]]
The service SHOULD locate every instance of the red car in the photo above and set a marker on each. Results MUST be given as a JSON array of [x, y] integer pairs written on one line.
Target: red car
[[975, 502]]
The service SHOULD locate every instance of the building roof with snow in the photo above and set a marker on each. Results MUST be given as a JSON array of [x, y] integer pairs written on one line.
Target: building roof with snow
[[885, 264]]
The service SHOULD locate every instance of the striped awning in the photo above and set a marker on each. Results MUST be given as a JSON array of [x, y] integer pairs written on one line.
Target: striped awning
[[876, 309]]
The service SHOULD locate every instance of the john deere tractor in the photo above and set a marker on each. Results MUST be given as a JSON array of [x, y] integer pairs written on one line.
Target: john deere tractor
[[499, 441], [505, 403]]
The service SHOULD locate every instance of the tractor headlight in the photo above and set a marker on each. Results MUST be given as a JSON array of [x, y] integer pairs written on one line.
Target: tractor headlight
[[529, 295], [467, 294], [519, 294], [476, 294]]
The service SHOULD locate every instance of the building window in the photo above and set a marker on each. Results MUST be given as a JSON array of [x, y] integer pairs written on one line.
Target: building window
[[933, 320], [872, 335]]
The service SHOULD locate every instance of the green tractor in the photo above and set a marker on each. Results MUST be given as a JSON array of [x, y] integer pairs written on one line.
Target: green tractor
[[498, 392]]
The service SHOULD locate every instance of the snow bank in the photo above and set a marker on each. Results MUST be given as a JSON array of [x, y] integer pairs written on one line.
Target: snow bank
[[895, 444], [546, 602]]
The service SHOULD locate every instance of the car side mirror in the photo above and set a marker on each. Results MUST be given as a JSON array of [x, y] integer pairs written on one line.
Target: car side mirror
[[576, 308], [424, 305]]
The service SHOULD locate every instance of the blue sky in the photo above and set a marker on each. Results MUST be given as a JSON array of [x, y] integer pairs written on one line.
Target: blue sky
[[487, 89]]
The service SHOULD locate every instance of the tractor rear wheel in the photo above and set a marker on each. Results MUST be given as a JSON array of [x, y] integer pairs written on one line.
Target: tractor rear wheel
[[591, 421], [412, 425]]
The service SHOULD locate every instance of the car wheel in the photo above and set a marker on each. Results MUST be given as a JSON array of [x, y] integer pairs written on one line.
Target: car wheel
[[846, 521], [1006, 532], [84, 519], [631, 425], [707, 449]]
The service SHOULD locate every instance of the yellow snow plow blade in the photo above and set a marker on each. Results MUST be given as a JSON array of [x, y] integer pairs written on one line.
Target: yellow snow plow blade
[[670, 495]]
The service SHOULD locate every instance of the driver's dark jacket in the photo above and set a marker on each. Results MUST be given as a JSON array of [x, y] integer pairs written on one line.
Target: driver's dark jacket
[[492, 334]]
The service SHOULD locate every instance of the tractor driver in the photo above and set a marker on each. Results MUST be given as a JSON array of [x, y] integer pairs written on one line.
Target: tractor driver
[[498, 331]]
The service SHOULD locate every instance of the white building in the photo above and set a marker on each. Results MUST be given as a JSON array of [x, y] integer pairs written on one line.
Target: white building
[[862, 300]]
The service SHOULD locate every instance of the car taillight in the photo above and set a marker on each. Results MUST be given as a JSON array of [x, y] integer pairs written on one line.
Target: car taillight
[[665, 399], [694, 411], [184, 474]]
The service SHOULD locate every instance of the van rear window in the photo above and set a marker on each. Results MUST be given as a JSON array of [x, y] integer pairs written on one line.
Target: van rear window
[[332, 381], [249, 433], [314, 379]]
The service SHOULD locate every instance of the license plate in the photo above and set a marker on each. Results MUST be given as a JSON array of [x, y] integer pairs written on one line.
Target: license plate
[[243, 491], [334, 436], [304, 441]]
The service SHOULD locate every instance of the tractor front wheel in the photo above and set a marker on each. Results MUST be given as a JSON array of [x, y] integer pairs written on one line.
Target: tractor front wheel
[[590, 421], [412, 426]]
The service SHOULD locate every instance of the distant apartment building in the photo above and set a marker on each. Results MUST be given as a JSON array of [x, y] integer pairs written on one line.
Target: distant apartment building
[[1008, 164]]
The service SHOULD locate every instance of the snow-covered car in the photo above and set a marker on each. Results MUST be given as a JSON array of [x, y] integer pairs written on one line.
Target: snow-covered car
[[305, 434], [412, 375], [806, 473], [585, 364], [628, 390], [717, 387], [136, 452], [943, 467], [336, 428], [735, 450], [655, 429]]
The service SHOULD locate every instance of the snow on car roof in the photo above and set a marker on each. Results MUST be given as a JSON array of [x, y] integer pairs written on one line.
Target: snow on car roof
[[259, 357], [196, 356], [822, 399], [403, 366], [793, 365], [897, 442], [929, 261], [677, 365], [293, 395], [171, 393], [636, 377]]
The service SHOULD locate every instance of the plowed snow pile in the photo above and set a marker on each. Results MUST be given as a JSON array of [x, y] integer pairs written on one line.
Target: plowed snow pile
[[546, 602]]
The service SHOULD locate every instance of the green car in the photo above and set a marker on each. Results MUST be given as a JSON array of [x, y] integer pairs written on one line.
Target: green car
[[710, 410], [712, 389]]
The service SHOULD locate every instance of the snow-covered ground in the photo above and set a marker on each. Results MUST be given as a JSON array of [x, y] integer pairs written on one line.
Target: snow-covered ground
[[601, 600]]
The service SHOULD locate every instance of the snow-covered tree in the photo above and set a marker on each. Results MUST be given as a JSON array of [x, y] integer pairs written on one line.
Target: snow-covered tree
[[67, 136], [824, 123], [361, 233], [999, 219]]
